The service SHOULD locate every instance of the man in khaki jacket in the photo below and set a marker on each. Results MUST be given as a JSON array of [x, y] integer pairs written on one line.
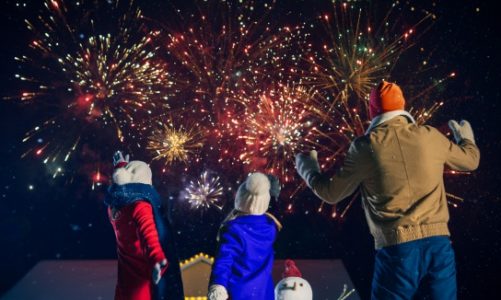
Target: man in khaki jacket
[[399, 166]]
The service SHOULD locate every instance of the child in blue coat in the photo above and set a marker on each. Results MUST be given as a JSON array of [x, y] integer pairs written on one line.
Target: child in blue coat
[[243, 264]]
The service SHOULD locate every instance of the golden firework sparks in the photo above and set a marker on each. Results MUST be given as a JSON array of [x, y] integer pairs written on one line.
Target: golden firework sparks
[[170, 144]]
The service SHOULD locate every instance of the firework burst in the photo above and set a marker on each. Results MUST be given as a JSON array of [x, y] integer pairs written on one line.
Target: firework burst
[[276, 128], [170, 144], [225, 50], [206, 191], [356, 54], [353, 58], [89, 74]]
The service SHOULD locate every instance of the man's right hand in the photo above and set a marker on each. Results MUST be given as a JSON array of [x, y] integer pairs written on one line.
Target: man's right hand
[[307, 166], [462, 131], [274, 185]]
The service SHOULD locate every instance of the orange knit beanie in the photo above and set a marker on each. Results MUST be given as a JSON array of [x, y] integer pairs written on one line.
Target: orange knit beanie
[[385, 97]]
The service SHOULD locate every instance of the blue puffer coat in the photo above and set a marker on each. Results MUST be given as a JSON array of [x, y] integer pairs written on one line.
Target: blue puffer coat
[[244, 259]]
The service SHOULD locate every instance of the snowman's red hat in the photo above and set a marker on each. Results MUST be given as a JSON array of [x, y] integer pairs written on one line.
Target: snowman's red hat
[[291, 269]]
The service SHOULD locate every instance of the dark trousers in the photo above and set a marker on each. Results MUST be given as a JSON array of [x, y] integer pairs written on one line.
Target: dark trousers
[[423, 268]]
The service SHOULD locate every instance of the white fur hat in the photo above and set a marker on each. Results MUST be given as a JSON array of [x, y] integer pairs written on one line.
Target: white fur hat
[[253, 195], [134, 172]]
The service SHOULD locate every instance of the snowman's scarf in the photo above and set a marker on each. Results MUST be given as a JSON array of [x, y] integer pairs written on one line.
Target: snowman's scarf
[[119, 196]]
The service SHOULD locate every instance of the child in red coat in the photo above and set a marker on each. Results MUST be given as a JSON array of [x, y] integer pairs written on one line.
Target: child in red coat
[[133, 210]]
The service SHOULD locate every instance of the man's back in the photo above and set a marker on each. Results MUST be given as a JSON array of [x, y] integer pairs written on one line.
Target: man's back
[[403, 188], [398, 166]]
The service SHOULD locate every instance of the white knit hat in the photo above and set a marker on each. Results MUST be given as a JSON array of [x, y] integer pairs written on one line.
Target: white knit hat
[[253, 195], [133, 172]]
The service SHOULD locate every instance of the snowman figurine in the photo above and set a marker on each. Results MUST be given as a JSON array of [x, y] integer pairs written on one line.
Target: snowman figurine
[[293, 286]]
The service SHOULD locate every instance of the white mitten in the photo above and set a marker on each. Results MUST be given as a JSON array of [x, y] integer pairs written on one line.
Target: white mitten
[[462, 131], [157, 271], [307, 166], [119, 160], [217, 292]]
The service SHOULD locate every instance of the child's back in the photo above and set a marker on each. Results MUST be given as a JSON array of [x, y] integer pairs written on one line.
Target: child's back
[[247, 248], [138, 249], [244, 260]]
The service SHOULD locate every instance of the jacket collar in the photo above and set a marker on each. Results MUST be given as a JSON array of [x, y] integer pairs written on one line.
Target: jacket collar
[[380, 119], [119, 196]]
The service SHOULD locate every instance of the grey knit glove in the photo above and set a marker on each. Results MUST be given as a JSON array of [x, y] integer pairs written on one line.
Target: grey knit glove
[[462, 131], [307, 167], [274, 185]]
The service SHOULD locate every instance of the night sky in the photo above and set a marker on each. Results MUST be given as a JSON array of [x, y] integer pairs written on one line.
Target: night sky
[[46, 218]]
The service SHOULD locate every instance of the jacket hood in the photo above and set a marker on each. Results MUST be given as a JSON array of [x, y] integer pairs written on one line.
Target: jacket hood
[[260, 228], [119, 196]]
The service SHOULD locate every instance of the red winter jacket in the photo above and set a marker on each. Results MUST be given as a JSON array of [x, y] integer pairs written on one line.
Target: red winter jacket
[[138, 248]]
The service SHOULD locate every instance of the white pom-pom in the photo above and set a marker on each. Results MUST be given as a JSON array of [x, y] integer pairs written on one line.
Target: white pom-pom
[[257, 184]]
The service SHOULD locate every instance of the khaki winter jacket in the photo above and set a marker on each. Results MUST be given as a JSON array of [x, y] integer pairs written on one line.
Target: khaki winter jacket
[[399, 168]]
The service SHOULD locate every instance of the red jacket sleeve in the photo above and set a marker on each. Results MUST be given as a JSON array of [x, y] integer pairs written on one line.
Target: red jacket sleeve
[[143, 216]]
